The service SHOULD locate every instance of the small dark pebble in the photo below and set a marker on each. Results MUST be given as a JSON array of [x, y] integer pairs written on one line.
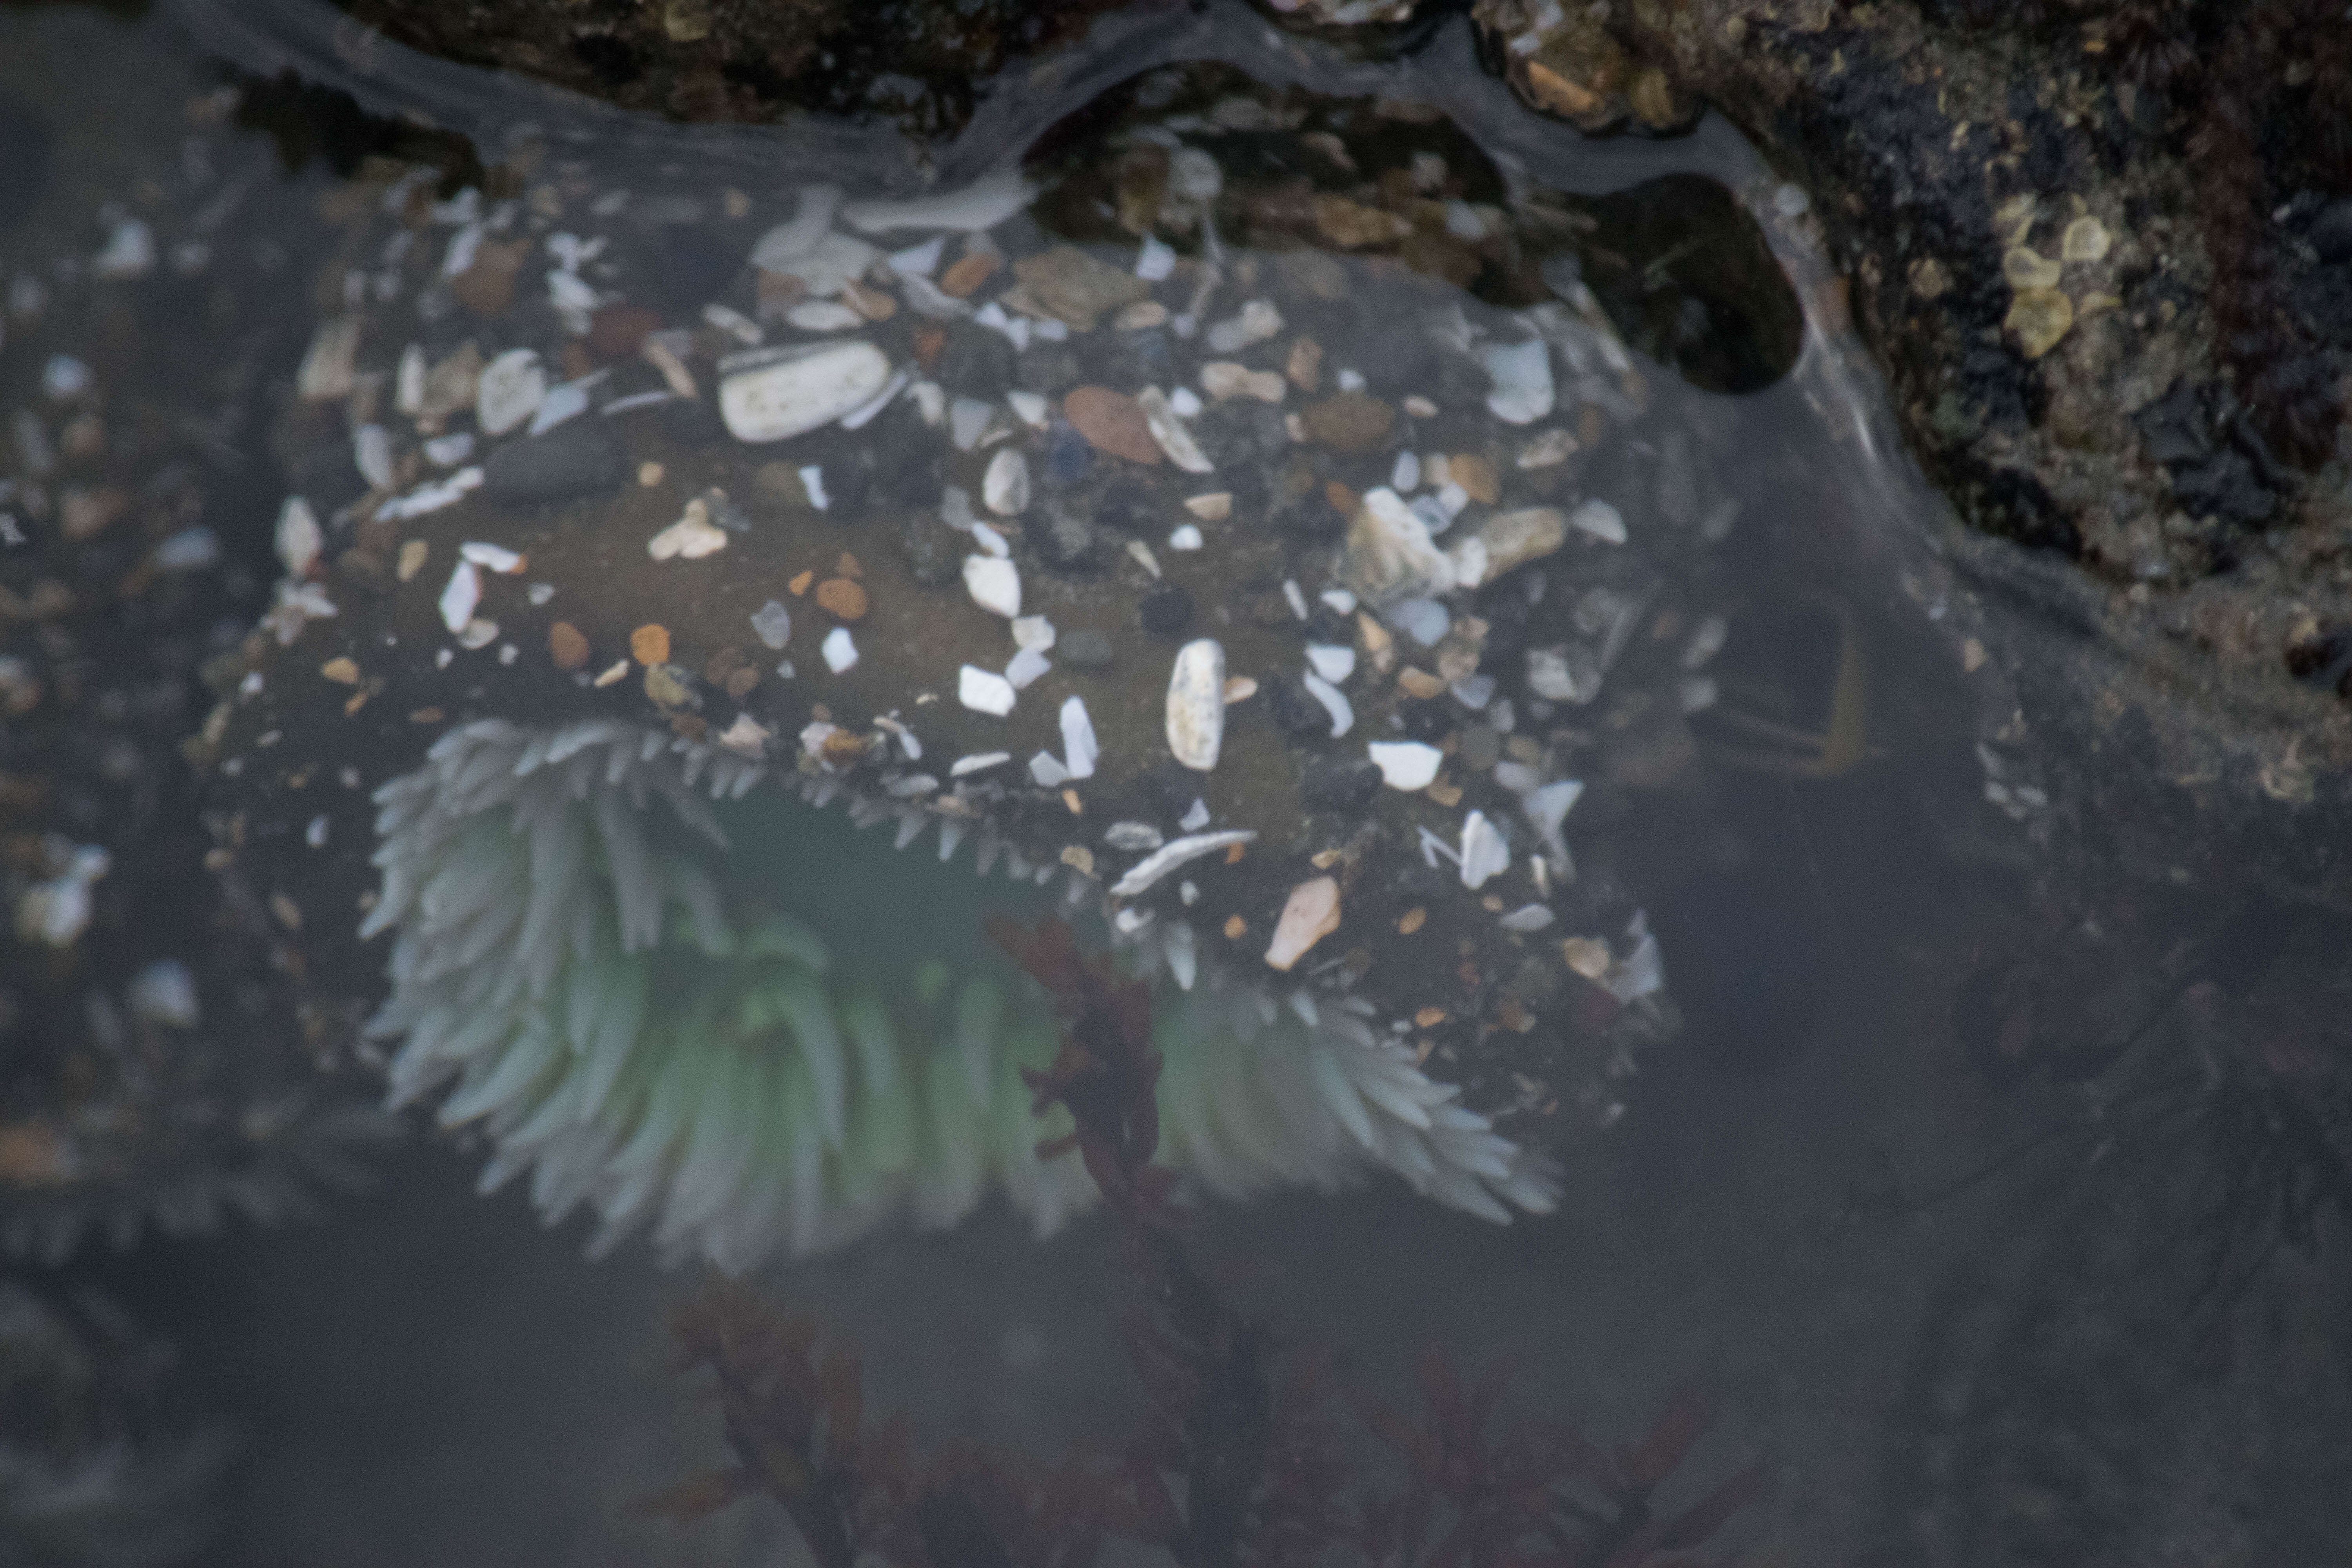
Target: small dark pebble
[[1295, 709], [849, 485], [1309, 518], [1138, 358], [1124, 508], [580, 457], [1242, 433], [1417, 881], [323, 475], [1084, 650], [689, 264], [1050, 370], [1067, 456], [2331, 231], [1068, 542], [1170, 787], [976, 361], [690, 421], [1167, 610], [1326, 625], [934, 551], [1346, 785]]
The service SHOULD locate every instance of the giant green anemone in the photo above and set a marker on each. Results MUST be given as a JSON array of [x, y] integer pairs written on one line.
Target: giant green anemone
[[673, 988]]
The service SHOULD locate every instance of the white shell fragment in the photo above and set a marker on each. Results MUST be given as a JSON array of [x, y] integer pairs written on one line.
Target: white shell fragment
[[978, 762], [1308, 915], [840, 650], [1078, 745], [1599, 520], [1569, 674], [1166, 859], [1547, 808], [1335, 702], [1522, 376], [1406, 764], [1196, 704], [463, 593], [822, 316], [510, 390], [1388, 553], [1006, 486], [994, 584], [1170, 432], [496, 557], [691, 537], [1333, 661], [746, 737], [983, 203], [1028, 667], [984, 690], [773, 624], [299, 539], [1484, 852], [784, 393]]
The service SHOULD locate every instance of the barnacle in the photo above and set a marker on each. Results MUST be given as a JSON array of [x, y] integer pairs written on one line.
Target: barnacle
[[635, 961]]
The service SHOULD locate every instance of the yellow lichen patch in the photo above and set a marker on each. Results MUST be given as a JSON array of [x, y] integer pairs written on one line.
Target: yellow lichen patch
[[2039, 317], [2028, 269], [2085, 239]]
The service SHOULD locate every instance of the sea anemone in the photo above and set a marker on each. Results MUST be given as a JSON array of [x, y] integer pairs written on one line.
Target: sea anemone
[[771, 1048]]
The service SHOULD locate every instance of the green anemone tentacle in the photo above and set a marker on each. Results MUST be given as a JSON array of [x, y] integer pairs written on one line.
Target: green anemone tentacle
[[727, 1018]]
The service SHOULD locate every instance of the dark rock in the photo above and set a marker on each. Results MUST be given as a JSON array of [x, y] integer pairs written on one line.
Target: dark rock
[[323, 475], [1137, 358], [1295, 709], [1326, 625], [1170, 787], [1167, 610], [934, 551], [2331, 231], [849, 485], [1310, 518], [25, 173], [976, 362], [687, 265], [1346, 785], [1068, 457], [579, 457], [1417, 880], [1124, 508], [1051, 370], [1084, 650], [1241, 433], [1066, 541]]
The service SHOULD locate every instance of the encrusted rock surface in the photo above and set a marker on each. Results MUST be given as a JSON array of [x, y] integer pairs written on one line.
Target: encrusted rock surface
[[2092, 266], [2108, 294]]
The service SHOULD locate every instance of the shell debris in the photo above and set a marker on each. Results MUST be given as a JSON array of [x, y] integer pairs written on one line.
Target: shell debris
[[994, 584], [1196, 704], [984, 690], [1308, 915], [1406, 764], [460, 596]]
